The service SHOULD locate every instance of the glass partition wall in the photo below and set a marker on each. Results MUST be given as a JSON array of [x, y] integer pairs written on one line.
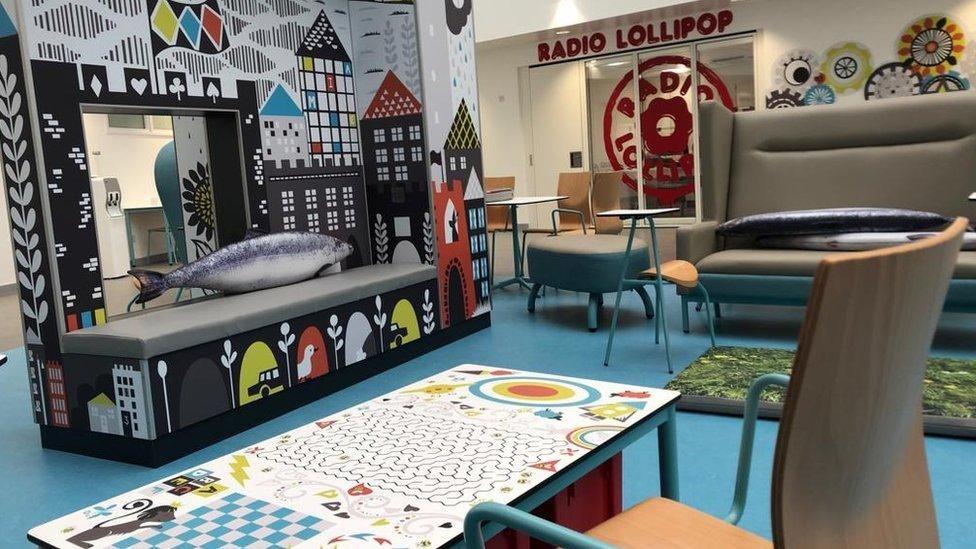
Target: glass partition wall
[[644, 128]]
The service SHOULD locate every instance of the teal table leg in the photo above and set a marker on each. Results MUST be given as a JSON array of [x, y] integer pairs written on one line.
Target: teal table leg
[[516, 249], [667, 448], [660, 295], [128, 237], [620, 289], [519, 278]]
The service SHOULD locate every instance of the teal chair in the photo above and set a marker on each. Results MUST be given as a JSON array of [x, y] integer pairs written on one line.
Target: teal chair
[[167, 178], [168, 188], [849, 469]]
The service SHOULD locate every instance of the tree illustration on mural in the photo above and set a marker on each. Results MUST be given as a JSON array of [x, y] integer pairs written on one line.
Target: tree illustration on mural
[[22, 216], [428, 239], [390, 46], [428, 307], [287, 338], [162, 370], [380, 320], [228, 358], [410, 66], [381, 240], [335, 333]]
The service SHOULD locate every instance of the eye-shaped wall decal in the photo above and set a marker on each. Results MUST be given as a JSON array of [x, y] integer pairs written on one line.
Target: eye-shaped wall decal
[[796, 69]]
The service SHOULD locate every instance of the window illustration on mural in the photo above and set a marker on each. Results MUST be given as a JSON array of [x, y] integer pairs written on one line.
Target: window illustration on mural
[[286, 85]]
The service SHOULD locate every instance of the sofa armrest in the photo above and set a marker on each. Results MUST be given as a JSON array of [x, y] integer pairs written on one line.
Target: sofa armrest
[[694, 242]]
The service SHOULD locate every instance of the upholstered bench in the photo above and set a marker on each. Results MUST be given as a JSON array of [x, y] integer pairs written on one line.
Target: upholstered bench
[[187, 375], [585, 263]]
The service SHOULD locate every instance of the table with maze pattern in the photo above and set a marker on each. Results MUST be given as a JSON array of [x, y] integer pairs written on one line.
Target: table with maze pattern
[[399, 471]]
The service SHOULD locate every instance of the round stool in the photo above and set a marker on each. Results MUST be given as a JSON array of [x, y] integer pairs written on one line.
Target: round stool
[[585, 263]]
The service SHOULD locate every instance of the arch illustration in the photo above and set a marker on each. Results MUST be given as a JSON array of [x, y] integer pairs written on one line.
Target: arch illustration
[[316, 362], [406, 252], [450, 223], [360, 342], [203, 392], [260, 374], [404, 326], [455, 293]]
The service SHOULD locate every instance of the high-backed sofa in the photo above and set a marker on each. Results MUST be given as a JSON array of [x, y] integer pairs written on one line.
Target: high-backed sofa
[[917, 153]]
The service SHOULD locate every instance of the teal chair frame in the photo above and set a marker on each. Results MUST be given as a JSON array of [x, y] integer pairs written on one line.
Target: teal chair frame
[[561, 536], [660, 322]]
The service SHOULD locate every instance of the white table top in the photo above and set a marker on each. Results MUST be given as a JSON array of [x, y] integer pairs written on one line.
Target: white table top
[[526, 200], [627, 214], [400, 470]]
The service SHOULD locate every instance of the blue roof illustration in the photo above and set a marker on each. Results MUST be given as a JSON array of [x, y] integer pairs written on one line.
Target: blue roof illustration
[[279, 103], [7, 27]]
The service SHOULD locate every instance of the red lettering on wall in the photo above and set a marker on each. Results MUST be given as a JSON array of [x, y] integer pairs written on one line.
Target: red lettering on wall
[[597, 42], [724, 20], [637, 36], [544, 52], [707, 22]]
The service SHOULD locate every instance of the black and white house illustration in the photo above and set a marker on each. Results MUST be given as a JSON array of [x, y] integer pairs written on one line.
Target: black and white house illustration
[[396, 173]]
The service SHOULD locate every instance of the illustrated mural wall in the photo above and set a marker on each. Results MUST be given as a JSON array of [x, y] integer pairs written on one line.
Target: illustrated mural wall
[[456, 173], [929, 55], [340, 133]]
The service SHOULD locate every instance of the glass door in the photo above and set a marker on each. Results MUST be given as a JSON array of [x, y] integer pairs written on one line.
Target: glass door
[[648, 125], [613, 128], [667, 123]]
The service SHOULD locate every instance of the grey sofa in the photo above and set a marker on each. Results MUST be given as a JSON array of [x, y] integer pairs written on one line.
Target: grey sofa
[[917, 153]]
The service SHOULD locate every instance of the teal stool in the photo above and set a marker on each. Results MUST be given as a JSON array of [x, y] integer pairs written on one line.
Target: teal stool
[[675, 272], [585, 263]]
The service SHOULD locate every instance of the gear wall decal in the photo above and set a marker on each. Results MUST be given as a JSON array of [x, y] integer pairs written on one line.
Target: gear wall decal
[[892, 80], [931, 44], [846, 66]]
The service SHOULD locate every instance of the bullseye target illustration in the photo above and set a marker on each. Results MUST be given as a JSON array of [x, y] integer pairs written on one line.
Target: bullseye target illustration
[[535, 391]]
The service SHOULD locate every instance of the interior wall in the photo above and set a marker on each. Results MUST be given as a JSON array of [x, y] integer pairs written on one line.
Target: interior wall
[[782, 25], [128, 156]]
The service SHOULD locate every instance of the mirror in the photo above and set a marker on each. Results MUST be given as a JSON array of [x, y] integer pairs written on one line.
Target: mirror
[[152, 200]]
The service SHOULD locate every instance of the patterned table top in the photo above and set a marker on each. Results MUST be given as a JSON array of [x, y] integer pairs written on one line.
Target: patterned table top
[[399, 471]]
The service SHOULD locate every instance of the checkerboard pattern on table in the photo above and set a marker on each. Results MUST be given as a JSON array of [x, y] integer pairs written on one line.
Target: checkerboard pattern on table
[[236, 521]]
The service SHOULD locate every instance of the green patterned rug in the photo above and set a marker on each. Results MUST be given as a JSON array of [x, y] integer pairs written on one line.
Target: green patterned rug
[[718, 380]]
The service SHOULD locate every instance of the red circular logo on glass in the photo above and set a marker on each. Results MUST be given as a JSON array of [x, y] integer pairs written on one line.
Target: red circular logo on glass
[[666, 125]]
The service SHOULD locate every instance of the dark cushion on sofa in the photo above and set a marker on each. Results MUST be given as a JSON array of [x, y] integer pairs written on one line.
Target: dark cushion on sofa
[[793, 263], [160, 331], [832, 221]]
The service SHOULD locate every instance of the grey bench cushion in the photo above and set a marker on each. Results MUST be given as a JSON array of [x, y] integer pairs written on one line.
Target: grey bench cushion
[[157, 332]]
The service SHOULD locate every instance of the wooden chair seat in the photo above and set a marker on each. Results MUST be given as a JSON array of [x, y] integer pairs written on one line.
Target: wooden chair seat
[[676, 271], [663, 523]]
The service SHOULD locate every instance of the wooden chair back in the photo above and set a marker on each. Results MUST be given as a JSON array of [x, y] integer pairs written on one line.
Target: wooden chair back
[[498, 215], [575, 185], [606, 196], [850, 468]]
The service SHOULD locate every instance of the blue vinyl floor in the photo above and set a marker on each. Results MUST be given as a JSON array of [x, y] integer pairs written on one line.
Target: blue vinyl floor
[[40, 485]]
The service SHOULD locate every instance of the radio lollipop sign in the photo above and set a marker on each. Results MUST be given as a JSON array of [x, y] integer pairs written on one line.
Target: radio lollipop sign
[[636, 36], [666, 122]]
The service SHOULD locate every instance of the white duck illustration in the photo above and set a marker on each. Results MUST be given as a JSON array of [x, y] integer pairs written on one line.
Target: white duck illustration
[[305, 365]]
